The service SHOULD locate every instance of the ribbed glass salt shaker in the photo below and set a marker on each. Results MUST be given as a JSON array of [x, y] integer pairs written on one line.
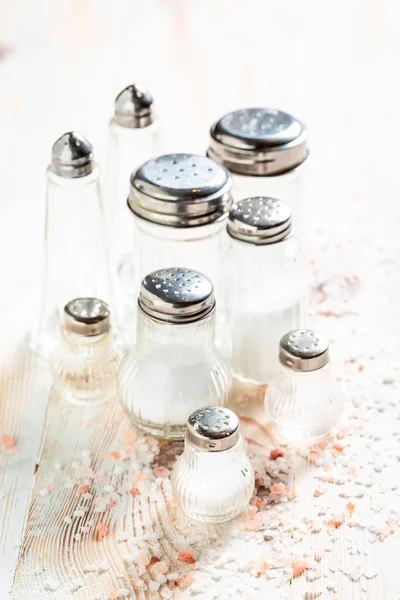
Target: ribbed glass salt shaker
[[175, 367], [75, 256], [264, 287], [265, 150], [85, 365], [132, 140], [213, 480], [304, 400]]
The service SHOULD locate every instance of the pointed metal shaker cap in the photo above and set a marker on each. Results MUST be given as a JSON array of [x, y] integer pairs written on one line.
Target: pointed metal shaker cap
[[134, 107], [72, 156]]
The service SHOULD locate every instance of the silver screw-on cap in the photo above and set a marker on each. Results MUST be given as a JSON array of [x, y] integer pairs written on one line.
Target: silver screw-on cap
[[177, 295], [213, 429], [180, 190], [260, 220], [72, 156], [87, 317], [258, 141], [304, 350], [134, 107]]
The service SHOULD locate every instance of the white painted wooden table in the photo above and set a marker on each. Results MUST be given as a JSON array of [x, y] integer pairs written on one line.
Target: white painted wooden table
[[335, 67]]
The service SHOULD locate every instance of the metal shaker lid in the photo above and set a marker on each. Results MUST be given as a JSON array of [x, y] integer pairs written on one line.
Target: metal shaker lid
[[134, 107], [213, 429], [258, 141], [177, 295], [260, 220], [72, 156], [304, 350], [180, 190], [87, 317]]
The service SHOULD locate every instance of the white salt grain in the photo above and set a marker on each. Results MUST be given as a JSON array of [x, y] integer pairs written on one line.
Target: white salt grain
[[370, 573], [104, 565], [44, 492], [154, 585], [90, 569], [51, 584], [123, 592], [166, 593], [77, 537], [78, 583], [68, 520]]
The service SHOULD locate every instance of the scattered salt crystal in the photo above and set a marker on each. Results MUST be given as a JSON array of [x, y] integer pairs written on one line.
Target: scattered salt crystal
[[76, 584], [370, 573], [109, 489], [79, 513], [160, 578], [85, 529], [51, 584], [166, 593], [123, 592], [154, 585], [58, 466], [87, 496], [68, 520], [118, 470], [37, 571], [173, 576], [44, 492], [90, 569], [77, 537], [355, 575], [104, 565]]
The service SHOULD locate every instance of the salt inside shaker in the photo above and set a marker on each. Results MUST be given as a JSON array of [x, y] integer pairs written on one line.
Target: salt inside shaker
[[265, 289], [85, 365], [175, 367], [304, 401], [213, 480], [265, 149]]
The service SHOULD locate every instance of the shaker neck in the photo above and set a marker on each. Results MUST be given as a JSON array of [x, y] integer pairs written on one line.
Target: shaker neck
[[153, 332], [90, 345]]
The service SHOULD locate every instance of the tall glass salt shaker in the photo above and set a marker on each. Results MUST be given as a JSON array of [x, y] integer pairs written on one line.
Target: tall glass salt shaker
[[85, 364], [303, 401], [175, 367], [265, 150], [75, 257], [132, 139], [213, 480], [264, 287]]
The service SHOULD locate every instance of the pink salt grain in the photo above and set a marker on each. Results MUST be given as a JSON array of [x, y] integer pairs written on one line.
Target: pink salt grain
[[299, 566], [276, 453], [161, 472], [102, 529], [7, 443], [143, 559], [160, 567], [186, 557]]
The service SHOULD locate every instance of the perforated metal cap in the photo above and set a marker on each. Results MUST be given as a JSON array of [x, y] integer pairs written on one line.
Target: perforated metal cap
[[260, 220], [258, 141], [72, 156], [180, 190], [134, 107], [304, 350], [177, 295], [87, 317], [213, 429]]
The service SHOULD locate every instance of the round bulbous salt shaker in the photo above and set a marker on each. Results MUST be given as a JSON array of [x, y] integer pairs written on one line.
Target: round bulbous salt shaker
[[75, 255], [265, 150], [265, 288], [85, 365], [180, 203], [175, 367], [304, 400], [132, 140], [213, 480]]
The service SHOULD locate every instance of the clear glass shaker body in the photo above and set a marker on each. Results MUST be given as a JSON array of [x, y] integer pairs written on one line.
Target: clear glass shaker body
[[213, 486], [264, 296], [85, 369], [173, 370], [288, 187], [75, 252], [303, 406]]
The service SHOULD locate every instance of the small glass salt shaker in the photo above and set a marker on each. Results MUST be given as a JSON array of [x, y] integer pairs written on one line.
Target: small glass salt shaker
[[265, 288], [75, 254], [304, 401], [175, 367], [85, 365], [213, 480], [265, 150], [132, 139]]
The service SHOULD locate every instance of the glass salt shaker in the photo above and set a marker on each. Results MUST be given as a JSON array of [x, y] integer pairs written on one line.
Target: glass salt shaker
[[132, 139], [265, 150], [304, 401], [213, 480], [180, 203], [265, 288], [75, 257], [85, 365], [175, 367]]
